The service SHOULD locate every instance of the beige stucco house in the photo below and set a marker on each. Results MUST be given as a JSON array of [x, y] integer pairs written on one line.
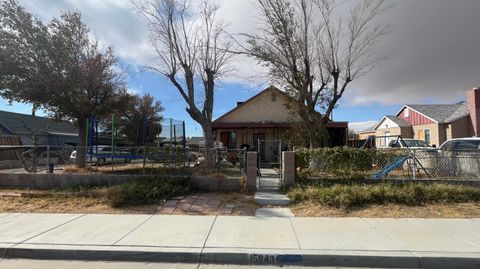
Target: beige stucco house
[[265, 116], [433, 124], [365, 134]]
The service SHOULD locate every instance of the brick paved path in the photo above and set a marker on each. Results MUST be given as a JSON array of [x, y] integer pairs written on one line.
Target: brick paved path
[[210, 204]]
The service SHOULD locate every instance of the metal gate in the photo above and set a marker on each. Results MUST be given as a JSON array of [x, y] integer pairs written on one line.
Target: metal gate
[[269, 162]]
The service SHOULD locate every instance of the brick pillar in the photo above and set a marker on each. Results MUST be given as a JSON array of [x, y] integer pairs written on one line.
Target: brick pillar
[[251, 171], [473, 104], [288, 168]]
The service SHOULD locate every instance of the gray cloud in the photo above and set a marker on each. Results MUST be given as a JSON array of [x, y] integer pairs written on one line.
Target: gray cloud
[[111, 21], [436, 45], [436, 54]]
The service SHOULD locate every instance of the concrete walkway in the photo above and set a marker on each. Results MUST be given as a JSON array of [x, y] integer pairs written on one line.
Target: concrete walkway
[[268, 189], [269, 180], [358, 242]]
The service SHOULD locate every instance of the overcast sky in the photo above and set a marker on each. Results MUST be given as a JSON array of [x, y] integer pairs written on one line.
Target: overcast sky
[[435, 46]]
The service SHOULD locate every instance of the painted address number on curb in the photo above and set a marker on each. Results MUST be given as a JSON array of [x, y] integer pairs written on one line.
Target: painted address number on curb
[[275, 259], [263, 258]]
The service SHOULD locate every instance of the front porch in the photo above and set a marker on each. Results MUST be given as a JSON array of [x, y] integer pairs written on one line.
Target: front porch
[[265, 140], [247, 135]]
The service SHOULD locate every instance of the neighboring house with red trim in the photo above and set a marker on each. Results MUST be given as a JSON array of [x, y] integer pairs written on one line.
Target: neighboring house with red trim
[[265, 116], [433, 124]]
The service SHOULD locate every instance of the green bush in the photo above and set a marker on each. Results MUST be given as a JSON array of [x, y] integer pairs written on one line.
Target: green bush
[[358, 194], [146, 190], [341, 162]]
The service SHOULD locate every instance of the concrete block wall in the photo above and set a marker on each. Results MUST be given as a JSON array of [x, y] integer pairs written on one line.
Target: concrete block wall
[[288, 168], [54, 181], [251, 173]]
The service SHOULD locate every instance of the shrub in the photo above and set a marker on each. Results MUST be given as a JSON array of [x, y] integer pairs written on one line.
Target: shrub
[[342, 162], [146, 190], [357, 194]]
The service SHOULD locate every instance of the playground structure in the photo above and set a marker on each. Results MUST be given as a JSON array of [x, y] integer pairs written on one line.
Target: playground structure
[[102, 146], [399, 161], [171, 134]]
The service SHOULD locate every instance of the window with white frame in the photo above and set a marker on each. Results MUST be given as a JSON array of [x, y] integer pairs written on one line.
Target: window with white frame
[[427, 136]]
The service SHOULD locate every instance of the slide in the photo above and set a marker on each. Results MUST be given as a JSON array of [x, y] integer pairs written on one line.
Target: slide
[[396, 163]]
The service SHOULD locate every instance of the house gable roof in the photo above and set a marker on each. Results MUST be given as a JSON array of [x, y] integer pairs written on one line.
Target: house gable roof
[[398, 121], [267, 117], [21, 123], [247, 102], [440, 113]]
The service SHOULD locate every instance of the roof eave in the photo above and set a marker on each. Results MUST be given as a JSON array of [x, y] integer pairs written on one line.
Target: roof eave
[[417, 112]]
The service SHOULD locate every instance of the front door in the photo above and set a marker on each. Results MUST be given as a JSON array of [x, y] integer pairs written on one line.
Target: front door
[[224, 138], [387, 138]]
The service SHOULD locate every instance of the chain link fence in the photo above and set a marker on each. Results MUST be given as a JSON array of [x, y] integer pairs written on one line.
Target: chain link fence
[[389, 163], [443, 164], [167, 160]]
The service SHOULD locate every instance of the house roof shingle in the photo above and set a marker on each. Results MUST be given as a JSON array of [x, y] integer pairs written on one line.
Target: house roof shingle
[[400, 122], [443, 113], [22, 123]]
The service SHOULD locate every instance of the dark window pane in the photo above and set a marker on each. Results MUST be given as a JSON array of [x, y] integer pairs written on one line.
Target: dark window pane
[[449, 145], [467, 144], [232, 140]]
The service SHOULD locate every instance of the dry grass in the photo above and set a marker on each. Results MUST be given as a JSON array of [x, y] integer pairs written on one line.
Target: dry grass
[[459, 210], [118, 168], [76, 203]]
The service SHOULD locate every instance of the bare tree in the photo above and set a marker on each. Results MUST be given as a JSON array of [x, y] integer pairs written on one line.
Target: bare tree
[[316, 54], [192, 50]]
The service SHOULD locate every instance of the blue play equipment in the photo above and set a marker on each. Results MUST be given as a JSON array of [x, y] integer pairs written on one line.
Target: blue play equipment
[[396, 163]]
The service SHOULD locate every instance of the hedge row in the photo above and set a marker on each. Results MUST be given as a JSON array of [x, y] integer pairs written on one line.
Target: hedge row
[[342, 160], [413, 194]]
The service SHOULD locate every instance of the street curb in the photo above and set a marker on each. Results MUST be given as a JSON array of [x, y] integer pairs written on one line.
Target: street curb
[[102, 255], [249, 257]]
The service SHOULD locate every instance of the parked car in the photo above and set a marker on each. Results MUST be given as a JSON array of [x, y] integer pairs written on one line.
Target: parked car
[[409, 143], [37, 156], [472, 143], [103, 155]]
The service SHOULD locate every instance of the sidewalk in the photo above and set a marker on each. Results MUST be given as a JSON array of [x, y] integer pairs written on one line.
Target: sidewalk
[[388, 243]]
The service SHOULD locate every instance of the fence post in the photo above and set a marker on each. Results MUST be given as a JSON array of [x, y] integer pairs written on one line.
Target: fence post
[[144, 159], [251, 173], [414, 165], [48, 159], [217, 160], [288, 168]]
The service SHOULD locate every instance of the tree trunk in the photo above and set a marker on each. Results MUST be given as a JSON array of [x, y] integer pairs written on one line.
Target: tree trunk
[[81, 146], [208, 133], [209, 142]]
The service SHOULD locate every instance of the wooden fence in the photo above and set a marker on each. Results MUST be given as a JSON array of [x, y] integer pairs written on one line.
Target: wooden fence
[[9, 140]]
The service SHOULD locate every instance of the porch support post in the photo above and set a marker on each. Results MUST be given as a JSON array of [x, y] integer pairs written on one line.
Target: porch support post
[[251, 180], [288, 168]]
